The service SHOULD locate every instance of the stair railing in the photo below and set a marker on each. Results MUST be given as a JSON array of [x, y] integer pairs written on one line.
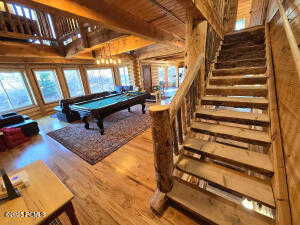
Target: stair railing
[[169, 126]]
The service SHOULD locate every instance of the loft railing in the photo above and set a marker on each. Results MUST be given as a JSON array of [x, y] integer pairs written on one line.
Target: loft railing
[[22, 23]]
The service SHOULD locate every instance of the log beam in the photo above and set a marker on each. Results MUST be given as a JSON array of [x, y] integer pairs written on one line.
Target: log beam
[[108, 15], [13, 49], [117, 45]]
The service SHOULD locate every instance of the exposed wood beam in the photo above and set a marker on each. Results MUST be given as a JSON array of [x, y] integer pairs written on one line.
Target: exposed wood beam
[[125, 44], [117, 46], [14, 49], [202, 9], [28, 60], [109, 16]]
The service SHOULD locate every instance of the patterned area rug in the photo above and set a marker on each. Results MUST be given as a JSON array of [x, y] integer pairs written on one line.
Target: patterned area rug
[[91, 146]]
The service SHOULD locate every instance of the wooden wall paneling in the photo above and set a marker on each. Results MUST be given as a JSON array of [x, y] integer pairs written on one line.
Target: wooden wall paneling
[[116, 76], [244, 8], [136, 72], [279, 183], [288, 95], [258, 12], [35, 89], [84, 79], [230, 15], [62, 82]]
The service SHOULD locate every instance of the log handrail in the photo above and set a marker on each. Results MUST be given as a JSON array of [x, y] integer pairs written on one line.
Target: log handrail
[[290, 37], [185, 86]]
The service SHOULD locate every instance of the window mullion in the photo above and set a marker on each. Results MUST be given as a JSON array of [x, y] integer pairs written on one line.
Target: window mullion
[[8, 98]]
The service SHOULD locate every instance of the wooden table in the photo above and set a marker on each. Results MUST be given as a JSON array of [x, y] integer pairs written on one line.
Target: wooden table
[[46, 193]]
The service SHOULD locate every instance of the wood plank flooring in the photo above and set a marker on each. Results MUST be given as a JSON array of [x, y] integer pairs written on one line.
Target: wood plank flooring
[[114, 191]]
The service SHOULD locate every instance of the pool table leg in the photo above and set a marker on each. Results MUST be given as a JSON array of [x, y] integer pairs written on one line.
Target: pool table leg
[[143, 108], [100, 125], [86, 122]]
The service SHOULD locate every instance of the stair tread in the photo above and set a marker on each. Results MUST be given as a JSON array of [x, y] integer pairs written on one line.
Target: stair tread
[[234, 133], [256, 47], [250, 159], [240, 70], [239, 77], [237, 101], [242, 60], [250, 87], [214, 208], [244, 90], [231, 115], [251, 187], [238, 80]]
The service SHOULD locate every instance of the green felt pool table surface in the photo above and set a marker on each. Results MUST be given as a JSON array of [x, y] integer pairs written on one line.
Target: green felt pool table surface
[[107, 101]]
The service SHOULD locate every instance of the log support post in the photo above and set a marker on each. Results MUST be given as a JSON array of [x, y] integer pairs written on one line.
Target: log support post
[[163, 154]]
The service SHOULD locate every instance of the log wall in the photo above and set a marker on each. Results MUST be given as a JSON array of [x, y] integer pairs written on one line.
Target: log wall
[[288, 95]]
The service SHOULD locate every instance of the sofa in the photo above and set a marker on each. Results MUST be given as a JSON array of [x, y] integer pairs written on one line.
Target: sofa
[[28, 126], [63, 111]]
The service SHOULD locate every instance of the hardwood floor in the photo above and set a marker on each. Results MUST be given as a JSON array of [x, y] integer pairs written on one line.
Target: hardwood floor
[[113, 191]]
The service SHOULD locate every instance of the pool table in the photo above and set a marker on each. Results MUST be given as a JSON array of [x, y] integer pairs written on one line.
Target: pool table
[[102, 107]]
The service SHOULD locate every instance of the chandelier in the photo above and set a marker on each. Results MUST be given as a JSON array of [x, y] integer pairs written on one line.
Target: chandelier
[[105, 57]]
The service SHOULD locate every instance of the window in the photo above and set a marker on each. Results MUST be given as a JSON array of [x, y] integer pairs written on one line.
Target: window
[[49, 85], [181, 74], [240, 24], [100, 80], [161, 75], [14, 91], [74, 82], [124, 76], [172, 76]]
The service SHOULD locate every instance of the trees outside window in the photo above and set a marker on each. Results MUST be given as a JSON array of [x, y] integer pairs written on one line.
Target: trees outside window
[[124, 76], [48, 85], [74, 82], [181, 74], [172, 76], [100, 80], [14, 91]]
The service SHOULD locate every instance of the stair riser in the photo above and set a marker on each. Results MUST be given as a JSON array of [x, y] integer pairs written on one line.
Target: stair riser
[[243, 71], [238, 44], [242, 81], [243, 50], [236, 104], [246, 63], [244, 37], [235, 138], [232, 120], [238, 56], [239, 92]]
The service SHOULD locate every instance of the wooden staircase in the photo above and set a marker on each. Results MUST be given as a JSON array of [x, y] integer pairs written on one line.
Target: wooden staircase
[[225, 159], [225, 138]]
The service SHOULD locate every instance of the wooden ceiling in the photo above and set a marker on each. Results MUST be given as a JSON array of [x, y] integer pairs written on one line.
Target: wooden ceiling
[[164, 14]]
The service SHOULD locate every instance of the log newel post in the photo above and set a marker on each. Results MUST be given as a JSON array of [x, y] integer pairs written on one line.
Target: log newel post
[[162, 144], [163, 154]]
